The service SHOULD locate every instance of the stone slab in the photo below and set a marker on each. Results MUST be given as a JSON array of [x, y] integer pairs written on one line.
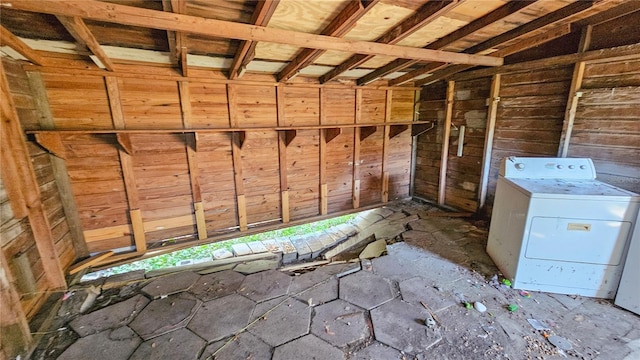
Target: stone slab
[[418, 289], [424, 225], [307, 280], [213, 286], [265, 285], [374, 249], [366, 289], [320, 294], [272, 246], [302, 248], [244, 346], [347, 229], [327, 240], [179, 344], [123, 279], [401, 326], [306, 345], [289, 253], [117, 344], [165, 315], [257, 247], [110, 317], [221, 254], [221, 317], [170, 284], [285, 323], [255, 266], [241, 249], [384, 212], [340, 323], [315, 245], [377, 351], [262, 308]]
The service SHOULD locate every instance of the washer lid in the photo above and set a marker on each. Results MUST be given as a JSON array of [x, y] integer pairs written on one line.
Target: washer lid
[[570, 187]]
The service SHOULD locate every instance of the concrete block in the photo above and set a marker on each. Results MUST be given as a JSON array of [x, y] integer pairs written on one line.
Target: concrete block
[[272, 246], [221, 254], [315, 245], [257, 247], [304, 251], [289, 252], [241, 249]]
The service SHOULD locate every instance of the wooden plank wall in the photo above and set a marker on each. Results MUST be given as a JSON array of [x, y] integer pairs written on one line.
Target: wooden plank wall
[[242, 179], [607, 124], [17, 238]]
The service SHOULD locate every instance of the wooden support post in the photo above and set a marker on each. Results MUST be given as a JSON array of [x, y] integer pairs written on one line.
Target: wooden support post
[[239, 182], [284, 139], [355, 186], [16, 336], [126, 164], [232, 101], [60, 172], [574, 94], [384, 191], [446, 132], [494, 98], [201, 222], [14, 149], [323, 174], [358, 117]]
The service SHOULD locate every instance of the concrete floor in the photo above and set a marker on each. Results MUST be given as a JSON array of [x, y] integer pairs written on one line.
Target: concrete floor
[[405, 305]]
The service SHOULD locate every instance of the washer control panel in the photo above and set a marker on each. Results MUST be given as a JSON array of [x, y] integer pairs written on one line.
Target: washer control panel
[[547, 168]]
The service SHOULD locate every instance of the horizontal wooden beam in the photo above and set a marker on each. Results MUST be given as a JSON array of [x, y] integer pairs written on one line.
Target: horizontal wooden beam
[[222, 130], [134, 16]]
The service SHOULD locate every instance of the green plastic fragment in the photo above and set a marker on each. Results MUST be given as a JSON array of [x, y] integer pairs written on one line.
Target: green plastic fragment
[[512, 307], [506, 282], [468, 305]]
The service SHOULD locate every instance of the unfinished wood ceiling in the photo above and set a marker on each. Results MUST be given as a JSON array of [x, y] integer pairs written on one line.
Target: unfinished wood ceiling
[[396, 41]]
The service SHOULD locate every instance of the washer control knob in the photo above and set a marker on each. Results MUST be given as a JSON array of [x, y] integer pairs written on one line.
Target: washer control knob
[[560, 167], [582, 167], [572, 166], [519, 166]]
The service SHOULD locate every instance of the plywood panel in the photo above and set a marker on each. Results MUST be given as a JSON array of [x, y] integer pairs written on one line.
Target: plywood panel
[[150, 104], [209, 106], [78, 102], [398, 165], [373, 106], [340, 171], [303, 178], [370, 168], [401, 105], [301, 106], [255, 106]]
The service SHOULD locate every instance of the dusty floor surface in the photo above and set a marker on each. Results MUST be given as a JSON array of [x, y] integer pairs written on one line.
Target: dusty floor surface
[[409, 304]]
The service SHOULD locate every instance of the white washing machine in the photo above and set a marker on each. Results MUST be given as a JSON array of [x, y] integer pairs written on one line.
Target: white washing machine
[[554, 228], [628, 296]]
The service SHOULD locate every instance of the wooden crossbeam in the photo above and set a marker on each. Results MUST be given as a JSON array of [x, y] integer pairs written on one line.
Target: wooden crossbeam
[[399, 64], [82, 34], [423, 16], [339, 26], [535, 25], [134, 16], [7, 38], [246, 51]]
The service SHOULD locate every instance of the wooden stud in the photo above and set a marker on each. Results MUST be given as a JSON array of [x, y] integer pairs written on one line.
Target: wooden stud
[[355, 186], [446, 132], [242, 212], [284, 197], [238, 178], [232, 99], [82, 34], [53, 143], [492, 114], [324, 199], [384, 191], [574, 94], [138, 230], [385, 186], [7, 38], [323, 173], [113, 92], [194, 173], [16, 336], [135, 16], [86, 263], [358, 112], [185, 103], [201, 222]]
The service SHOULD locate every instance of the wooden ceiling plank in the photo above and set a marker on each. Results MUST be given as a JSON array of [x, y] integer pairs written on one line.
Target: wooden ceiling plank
[[81, 32], [497, 14], [534, 25], [423, 16], [130, 15], [247, 49], [7, 38], [339, 26]]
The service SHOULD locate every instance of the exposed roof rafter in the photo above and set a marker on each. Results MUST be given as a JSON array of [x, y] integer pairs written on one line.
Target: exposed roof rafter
[[498, 14], [7, 38], [82, 34], [129, 15], [423, 16], [247, 49], [339, 26]]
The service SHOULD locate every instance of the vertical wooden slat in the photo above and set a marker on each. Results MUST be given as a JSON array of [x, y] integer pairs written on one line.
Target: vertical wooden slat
[[113, 92], [574, 94], [355, 186], [444, 155], [324, 201], [494, 98], [138, 230], [232, 100], [282, 157], [201, 223], [358, 117], [384, 192], [60, 172], [16, 336], [239, 183]]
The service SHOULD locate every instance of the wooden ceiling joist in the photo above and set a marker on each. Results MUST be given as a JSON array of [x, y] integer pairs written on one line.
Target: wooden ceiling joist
[[7, 38], [82, 34], [177, 40], [423, 16], [338, 27], [133, 16], [247, 49], [399, 64], [504, 38]]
